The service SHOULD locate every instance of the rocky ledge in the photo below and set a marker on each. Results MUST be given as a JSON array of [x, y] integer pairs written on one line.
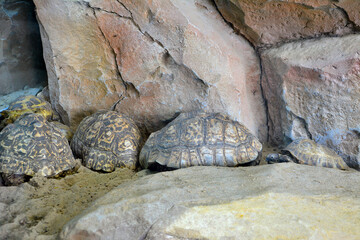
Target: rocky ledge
[[286, 201]]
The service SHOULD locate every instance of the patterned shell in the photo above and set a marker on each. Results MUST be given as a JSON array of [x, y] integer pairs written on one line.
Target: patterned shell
[[201, 139], [27, 104], [306, 151], [31, 145], [106, 140]]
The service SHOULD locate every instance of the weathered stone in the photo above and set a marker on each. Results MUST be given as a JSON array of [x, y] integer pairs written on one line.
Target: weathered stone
[[265, 202], [160, 56], [270, 22], [83, 75], [351, 8], [21, 62], [315, 83]]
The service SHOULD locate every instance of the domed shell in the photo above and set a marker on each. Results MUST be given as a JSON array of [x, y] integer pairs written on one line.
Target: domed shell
[[201, 139], [106, 140], [31, 145], [26, 104], [306, 151]]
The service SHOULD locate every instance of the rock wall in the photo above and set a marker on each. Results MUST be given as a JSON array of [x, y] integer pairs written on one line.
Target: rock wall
[[313, 91], [21, 61], [310, 67], [154, 59], [286, 69], [266, 23]]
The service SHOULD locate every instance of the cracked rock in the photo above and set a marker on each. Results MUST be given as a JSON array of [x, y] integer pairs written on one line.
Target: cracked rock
[[316, 81], [161, 57], [267, 23]]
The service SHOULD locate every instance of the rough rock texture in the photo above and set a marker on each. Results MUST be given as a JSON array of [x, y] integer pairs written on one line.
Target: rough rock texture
[[21, 61], [287, 201], [313, 91], [158, 58], [270, 22]]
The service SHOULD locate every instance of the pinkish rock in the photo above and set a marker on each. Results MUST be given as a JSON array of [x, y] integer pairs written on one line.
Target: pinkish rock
[[83, 75], [313, 91], [158, 58], [271, 22], [21, 62]]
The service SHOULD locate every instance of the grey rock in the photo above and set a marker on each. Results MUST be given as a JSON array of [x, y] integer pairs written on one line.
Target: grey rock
[[312, 89], [21, 61]]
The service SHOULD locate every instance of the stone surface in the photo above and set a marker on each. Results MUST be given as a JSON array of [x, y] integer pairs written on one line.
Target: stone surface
[[313, 90], [21, 62], [270, 22], [157, 58], [82, 72], [263, 202]]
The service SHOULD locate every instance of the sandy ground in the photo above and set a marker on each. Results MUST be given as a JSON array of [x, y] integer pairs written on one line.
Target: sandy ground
[[39, 209]]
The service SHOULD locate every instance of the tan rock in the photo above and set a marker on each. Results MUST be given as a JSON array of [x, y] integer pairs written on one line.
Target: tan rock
[[315, 83], [83, 75], [352, 10], [160, 56], [270, 22], [21, 62], [279, 201]]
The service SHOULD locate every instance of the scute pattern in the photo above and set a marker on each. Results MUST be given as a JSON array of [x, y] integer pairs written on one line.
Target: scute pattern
[[31, 145], [201, 139], [106, 140], [306, 151], [26, 104]]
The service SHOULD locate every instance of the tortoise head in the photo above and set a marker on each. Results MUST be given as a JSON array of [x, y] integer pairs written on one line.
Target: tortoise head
[[277, 158], [272, 158]]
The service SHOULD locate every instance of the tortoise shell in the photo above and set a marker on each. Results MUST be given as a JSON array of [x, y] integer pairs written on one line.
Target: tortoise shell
[[31, 145], [26, 104], [201, 139], [306, 151], [106, 140]]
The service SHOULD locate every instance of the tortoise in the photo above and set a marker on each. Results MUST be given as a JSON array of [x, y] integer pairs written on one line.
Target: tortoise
[[106, 140], [66, 131], [25, 104], [32, 146], [200, 139], [307, 151]]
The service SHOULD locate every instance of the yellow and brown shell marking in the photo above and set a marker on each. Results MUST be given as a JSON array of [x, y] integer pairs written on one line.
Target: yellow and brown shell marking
[[201, 139], [106, 140], [26, 104], [306, 151], [31, 145]]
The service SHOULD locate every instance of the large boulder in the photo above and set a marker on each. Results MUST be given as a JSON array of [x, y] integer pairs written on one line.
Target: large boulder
[[270, 22], [313, 91], [280, 201], [21, 62], [154, 59]]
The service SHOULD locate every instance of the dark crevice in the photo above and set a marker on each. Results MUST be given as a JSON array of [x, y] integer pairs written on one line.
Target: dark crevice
[[231, 25], [258, 54], [267, 114], [350, 23], [129, 87]]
